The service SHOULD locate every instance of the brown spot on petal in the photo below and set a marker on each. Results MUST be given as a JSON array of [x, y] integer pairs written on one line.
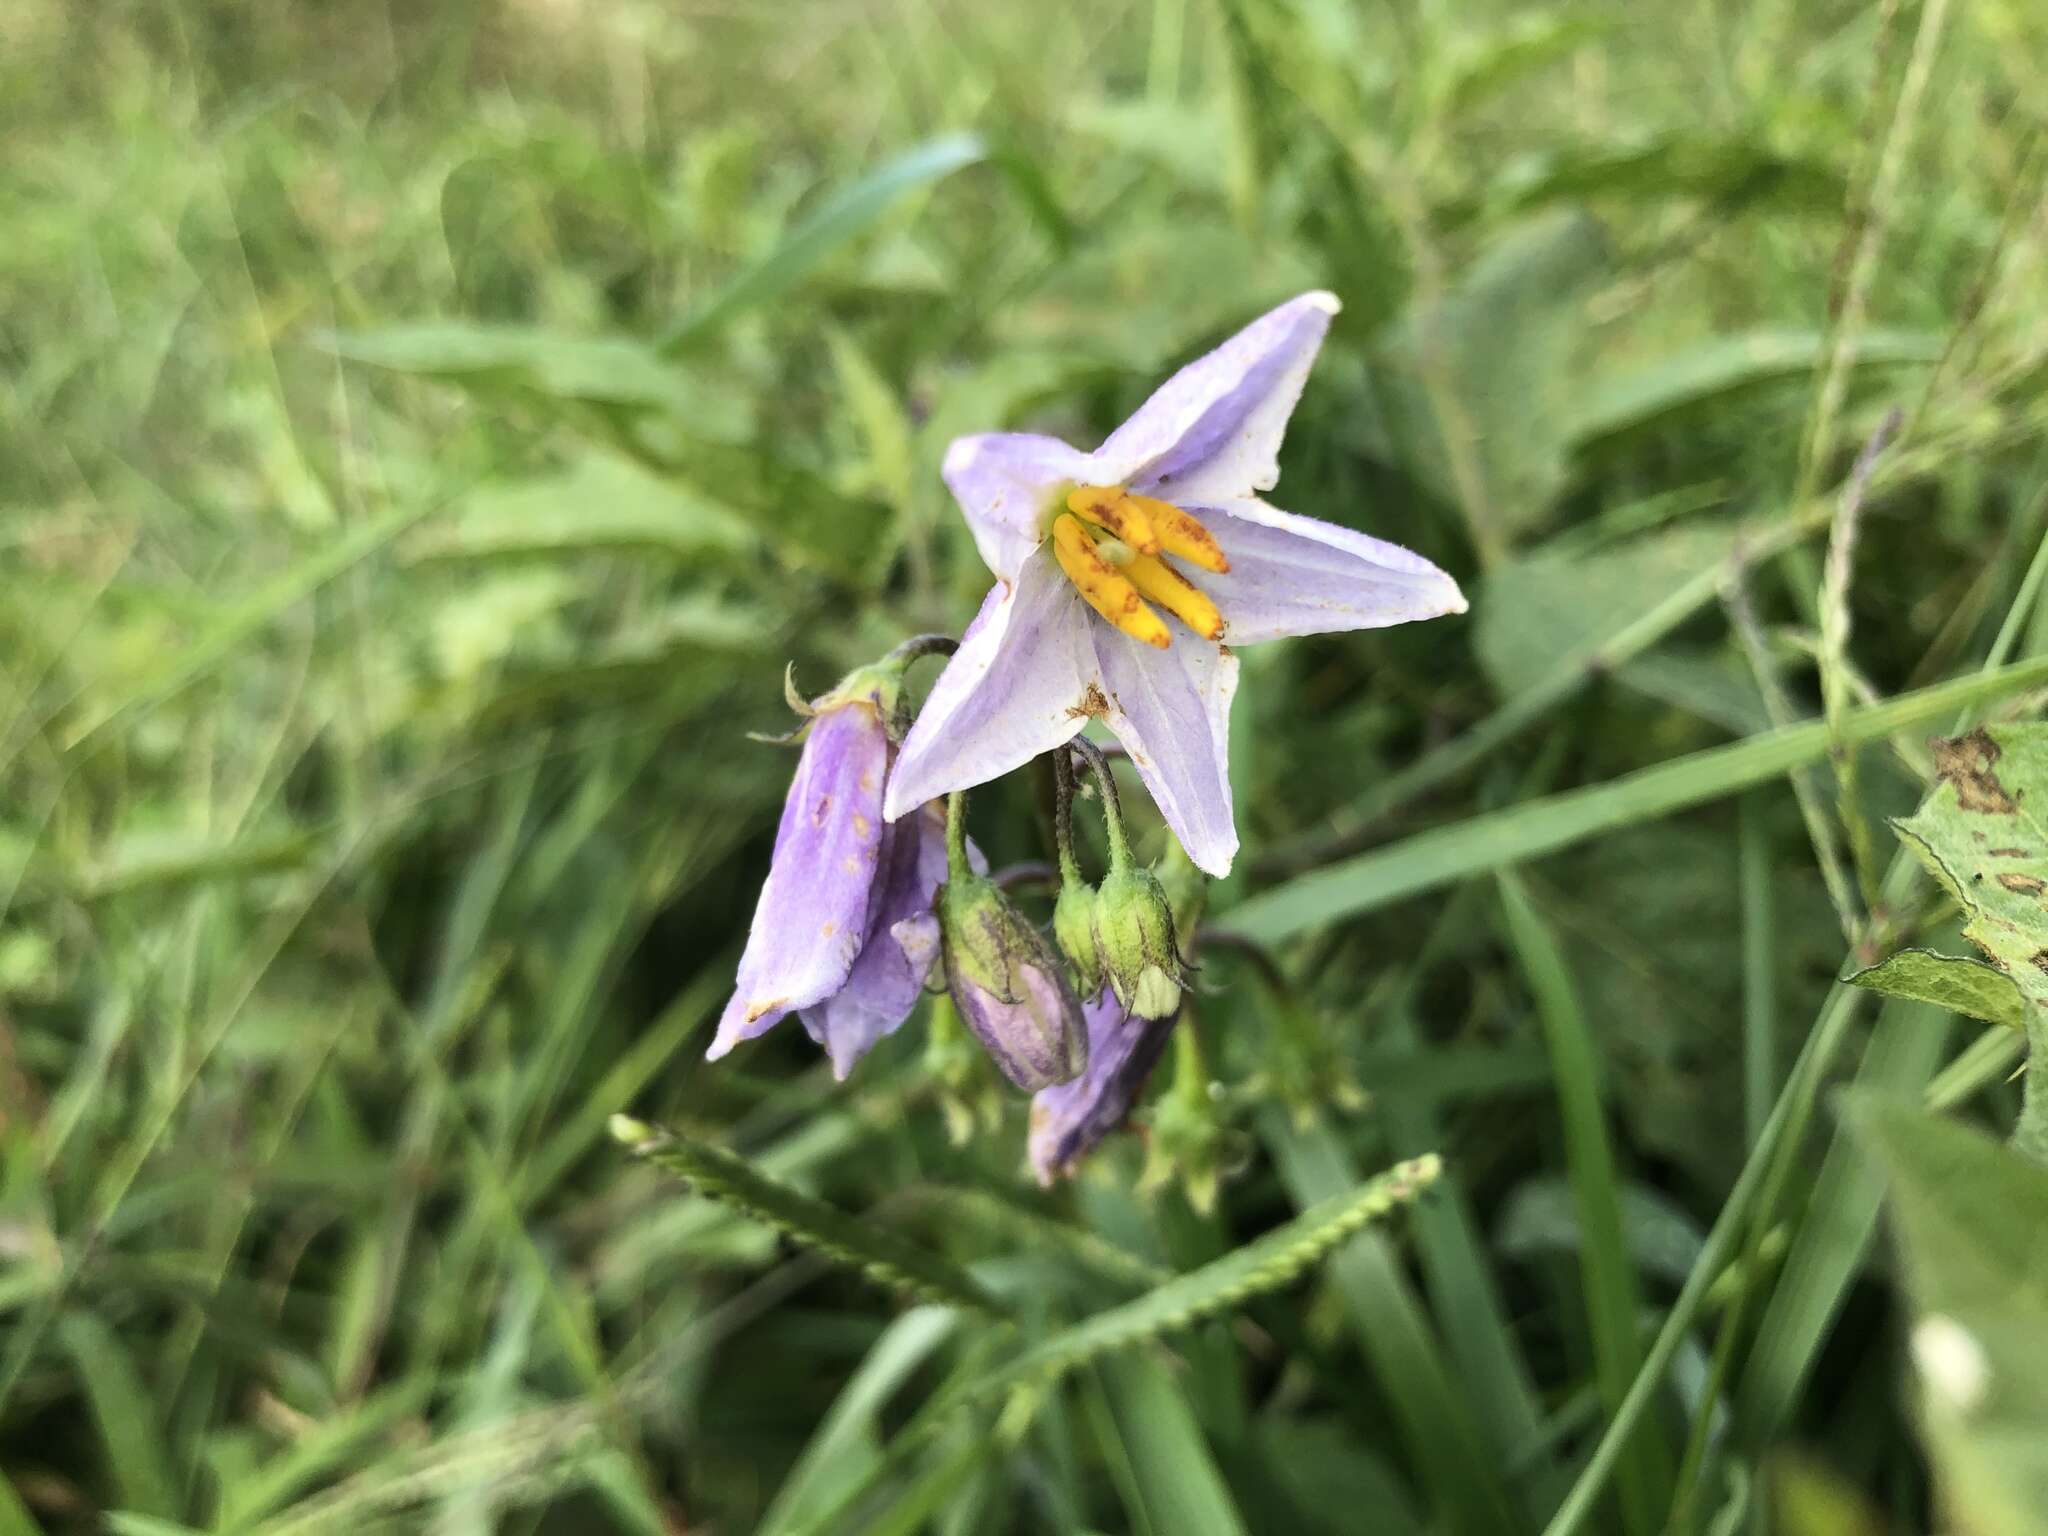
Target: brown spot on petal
[[861, 825], [828, 930], [755, 1010], [821, 810], [1966, 761], [1092, 706]]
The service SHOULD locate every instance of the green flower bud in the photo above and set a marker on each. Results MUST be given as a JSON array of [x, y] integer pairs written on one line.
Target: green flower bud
[[1073, 927], [1135, 940]]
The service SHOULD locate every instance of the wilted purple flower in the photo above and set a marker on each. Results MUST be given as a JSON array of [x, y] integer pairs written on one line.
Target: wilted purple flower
[[1067, 1121], [1085, 547], [842, 933]]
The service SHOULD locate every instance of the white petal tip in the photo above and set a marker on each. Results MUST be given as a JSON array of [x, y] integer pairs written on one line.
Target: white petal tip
[[960, 456], [718, 1048], [1324, 300]]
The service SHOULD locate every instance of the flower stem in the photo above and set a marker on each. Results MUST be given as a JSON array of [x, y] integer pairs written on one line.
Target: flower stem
[[1112, 808], [1063, 817], [919, 646], [957, 867]]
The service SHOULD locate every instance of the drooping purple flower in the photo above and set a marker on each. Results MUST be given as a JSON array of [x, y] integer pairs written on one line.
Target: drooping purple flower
[[1008, 985], [1087, 547], [841, 932], [1068, 1121]]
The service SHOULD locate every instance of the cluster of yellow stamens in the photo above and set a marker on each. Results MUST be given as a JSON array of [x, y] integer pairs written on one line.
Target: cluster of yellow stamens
[[1112, 546]]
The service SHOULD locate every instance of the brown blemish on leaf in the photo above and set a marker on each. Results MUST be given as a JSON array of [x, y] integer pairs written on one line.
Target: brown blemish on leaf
[[1966, 761], [2040, 959], [1092, 706], [2008, 853], [2025, 885]]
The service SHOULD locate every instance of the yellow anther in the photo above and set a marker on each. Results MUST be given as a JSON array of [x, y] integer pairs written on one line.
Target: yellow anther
[[1179, 534], [1155, 579], [1123, 514], [1106, 589]]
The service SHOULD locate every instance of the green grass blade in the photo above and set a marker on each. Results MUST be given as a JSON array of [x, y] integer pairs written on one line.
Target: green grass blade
[[1452, 1252], [877, 1253], [1644, 1474], [130, 1430], [1420, 1382], [15, 1520], [238, 622], [841, 1449], [1835, 1229], [1174, 1477], [843, 215], [1501, 839]]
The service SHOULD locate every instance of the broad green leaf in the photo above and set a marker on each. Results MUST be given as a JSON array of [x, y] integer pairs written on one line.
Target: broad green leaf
[[1181, 138], [613, 371], [1543, 611], [1482, 384], [1732, 170], [1717, 370], [873, 1249], [1477, 63], [600, 504], [1972, 1221], [1498, 839], [1948, 981], [839, 219]]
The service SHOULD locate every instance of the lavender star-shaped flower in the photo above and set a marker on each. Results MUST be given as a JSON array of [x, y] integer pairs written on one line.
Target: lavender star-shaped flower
[[1087, 548]]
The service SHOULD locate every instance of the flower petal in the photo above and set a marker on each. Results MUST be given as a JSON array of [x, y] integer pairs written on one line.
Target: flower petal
[[1069, 1119], [1214, 428], [1171, 710], [888, 977], [1005, 482], [1014, 689], [812, 915], [1292, 575]]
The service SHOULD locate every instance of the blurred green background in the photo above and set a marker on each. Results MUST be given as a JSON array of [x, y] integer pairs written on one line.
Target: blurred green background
[[427, 431]]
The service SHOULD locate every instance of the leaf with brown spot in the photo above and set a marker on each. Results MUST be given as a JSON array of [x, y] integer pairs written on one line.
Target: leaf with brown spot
[[1965, 762], [1992, 781]]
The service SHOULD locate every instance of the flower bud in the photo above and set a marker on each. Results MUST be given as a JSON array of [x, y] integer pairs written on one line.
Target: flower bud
[[1008, 984], [1135, 939], [1073, 928]]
